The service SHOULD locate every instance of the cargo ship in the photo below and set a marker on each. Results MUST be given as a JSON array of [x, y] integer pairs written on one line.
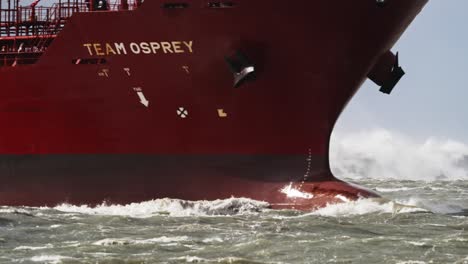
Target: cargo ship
[[130, 100]]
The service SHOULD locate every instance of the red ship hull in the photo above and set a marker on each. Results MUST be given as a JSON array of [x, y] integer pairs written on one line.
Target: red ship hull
[[158, 116], [93, 179]]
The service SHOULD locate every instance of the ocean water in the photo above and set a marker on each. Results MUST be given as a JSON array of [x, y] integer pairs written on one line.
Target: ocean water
[[422, 218], [418, 222]]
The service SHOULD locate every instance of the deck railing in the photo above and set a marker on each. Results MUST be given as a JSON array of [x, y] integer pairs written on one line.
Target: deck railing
[[31, 28], [16, 20]]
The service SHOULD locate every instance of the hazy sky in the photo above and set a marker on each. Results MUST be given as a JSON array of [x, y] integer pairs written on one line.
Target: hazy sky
[[432, 99]]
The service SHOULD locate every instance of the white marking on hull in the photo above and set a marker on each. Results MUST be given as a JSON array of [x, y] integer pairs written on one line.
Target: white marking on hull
[[127, 70], [141, 95], [182, 112], [104, 73], [143, 100]]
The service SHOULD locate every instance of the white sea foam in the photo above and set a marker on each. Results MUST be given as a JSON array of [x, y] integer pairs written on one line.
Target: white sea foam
[[194, 259], [417, 243], [71, 244], [5, 210], [113, 242], [363, 207], [164, 240], [190, 259], [101, 254], [412, 262], [172, 207], [10, 210], [384, 154], [34, 248], [212, 239], [401, 189], [50, 259]]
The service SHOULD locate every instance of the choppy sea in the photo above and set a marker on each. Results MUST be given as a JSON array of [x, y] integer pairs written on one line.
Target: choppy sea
[[421, 219], [431, 228]]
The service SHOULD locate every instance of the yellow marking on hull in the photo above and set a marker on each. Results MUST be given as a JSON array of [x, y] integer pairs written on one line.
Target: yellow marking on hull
[[222, 114]]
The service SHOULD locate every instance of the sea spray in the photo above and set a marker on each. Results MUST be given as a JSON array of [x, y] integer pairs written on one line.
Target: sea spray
[[382, 154]]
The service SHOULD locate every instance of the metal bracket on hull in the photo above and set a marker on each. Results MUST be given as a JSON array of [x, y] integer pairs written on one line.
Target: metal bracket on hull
[[241, 67], [396, 75], [387, 72]]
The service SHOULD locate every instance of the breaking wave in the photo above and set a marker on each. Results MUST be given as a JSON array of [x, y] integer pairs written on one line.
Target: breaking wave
[[382, 154], [239, 206], [171, 207]]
